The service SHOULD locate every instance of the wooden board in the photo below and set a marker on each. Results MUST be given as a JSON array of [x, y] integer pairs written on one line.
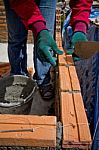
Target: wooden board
[[43, 135], [86, 49]]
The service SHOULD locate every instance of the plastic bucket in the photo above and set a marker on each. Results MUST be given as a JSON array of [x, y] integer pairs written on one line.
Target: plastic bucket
[[16, 94]]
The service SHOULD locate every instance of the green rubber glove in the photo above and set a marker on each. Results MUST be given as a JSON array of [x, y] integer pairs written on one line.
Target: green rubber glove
[[44, 45], [78, 37]]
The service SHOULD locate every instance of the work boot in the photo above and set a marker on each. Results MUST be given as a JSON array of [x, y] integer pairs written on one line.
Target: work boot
[[47, 91]]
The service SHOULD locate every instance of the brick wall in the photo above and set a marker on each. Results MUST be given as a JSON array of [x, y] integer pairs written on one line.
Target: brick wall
[[3, 26]]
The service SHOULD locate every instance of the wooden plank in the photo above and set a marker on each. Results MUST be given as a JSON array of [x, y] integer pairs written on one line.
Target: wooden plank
[[43, 135], [64, 79], [86, 49], [70, 132], [84, 132]]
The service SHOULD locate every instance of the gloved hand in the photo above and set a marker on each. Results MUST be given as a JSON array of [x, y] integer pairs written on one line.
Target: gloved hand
[[44, 44], [78, 37]]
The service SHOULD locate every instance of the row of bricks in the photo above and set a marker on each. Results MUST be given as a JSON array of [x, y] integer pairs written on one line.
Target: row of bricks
[[72, 107]]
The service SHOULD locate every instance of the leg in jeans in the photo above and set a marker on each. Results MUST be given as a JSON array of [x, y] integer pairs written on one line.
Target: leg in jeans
[[42, 70], [17, 39]]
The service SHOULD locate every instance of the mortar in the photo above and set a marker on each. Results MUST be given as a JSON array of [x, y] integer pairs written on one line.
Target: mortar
[[16, 94]]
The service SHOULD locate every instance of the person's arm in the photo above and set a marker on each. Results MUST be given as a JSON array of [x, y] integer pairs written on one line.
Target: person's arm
[[32, 19], [30, 15], [81, 10], [79, 20]]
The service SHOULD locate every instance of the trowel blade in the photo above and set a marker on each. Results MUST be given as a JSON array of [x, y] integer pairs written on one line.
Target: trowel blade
[[86, 49]]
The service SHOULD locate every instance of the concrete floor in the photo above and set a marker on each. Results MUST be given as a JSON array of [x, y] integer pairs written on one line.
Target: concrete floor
[[39, 106]]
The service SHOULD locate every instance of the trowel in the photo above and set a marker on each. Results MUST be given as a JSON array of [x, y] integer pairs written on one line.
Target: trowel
[[86, 49]]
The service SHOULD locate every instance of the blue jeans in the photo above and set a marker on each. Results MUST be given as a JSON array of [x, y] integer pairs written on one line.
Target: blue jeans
[[17, 40]]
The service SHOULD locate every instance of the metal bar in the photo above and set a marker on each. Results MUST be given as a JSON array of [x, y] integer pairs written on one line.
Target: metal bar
[[17, 130]]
